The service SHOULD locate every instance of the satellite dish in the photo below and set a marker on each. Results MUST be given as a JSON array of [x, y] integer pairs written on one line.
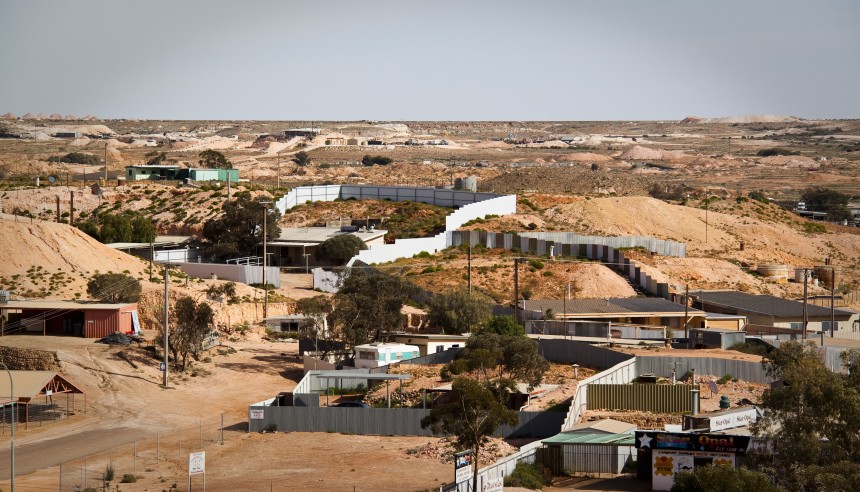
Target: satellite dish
[[713, 387], [52, 179]]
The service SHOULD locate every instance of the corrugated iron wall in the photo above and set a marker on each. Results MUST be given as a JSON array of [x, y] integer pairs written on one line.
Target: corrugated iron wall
[[661, 398], [100, 322]]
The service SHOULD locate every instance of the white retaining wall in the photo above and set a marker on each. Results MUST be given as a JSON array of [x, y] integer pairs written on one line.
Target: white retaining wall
[[622, 373], [246, 274]]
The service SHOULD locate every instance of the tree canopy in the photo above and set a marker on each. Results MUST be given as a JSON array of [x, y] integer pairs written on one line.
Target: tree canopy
[[192, 322], [722, 478], [302, 158], [317, 308], [472, 414], [367, 306], [812, 420], [504, 325], [827, 200], [501, 361], [378, 160], [119, 228], [114, 288], [213, 160], [340, 249], [155, 158], [458, 312], [239, 230]]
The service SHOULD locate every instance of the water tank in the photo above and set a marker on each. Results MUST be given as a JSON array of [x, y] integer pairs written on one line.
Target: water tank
[[470, 183], [829, 275], [798, 274], [775, 271]]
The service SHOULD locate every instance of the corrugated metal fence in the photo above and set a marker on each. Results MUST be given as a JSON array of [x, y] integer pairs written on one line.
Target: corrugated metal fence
[[443, 357], [741, 369], [659, 246], [659, 398], [582, 353], [384, 421]]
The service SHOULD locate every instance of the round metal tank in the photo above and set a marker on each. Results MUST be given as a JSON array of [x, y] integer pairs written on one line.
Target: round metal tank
[[774, 270], [798, 274], [470, 183], [829, 275]]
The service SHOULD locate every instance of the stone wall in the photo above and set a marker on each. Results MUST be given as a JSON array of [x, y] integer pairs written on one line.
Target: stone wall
[[18, 359]]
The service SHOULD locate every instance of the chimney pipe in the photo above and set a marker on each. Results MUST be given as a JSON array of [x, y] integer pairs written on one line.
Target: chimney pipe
[[695, 395]]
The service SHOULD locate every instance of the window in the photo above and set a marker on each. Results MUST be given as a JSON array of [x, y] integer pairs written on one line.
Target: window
[[366, 355], [398, 355], [796, 325], [440, 348]]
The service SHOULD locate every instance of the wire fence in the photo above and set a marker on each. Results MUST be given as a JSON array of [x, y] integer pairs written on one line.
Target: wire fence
[[163, 456]]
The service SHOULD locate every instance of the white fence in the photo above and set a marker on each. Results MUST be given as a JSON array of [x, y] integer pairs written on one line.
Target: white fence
[[504, 467], [246, 274], [622, 373], [660, 246]]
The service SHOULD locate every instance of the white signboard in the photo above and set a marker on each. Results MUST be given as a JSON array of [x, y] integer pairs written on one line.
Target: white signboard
[[257, 414], [197, 463], [463, 466], [463, 475], [494, 485], [736, 419]]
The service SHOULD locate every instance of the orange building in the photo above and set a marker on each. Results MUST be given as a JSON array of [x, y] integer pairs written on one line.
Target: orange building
[[82, 319]]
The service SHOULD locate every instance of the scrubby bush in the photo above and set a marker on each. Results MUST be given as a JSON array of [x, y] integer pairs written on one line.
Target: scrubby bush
[[77, 158], [527, 476]]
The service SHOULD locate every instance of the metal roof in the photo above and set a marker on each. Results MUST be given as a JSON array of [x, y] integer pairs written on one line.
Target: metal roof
[[71, 305], [311, 236], [613, 306], [578, 438], [361, 375], [609, 426], [29, 384], [159, 241], [764, 304]]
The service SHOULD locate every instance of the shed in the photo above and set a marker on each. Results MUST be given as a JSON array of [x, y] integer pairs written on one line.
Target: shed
[[42, 390], [714, 338], [432, 343], [82, 319], [205, 174], [583, 453]]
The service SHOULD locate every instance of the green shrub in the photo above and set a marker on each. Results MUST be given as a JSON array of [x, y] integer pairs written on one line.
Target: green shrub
[[814, 228], [527, 476], [725, 379], [536, 264], [128, 478], [776, 151]]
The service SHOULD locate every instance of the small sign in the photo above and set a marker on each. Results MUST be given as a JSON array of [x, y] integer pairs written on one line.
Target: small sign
[[197, 463], [162, 366], [494, 485], [463, 466], [257, 413], [49, 392], [734, 419]]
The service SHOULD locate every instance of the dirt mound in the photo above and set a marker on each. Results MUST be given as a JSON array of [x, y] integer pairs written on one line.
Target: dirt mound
[[749, 118], [492, 144], [9, 116], [56, 259], [549, 144], [787, 161], [584, 157], [640, 153], [570, 180]]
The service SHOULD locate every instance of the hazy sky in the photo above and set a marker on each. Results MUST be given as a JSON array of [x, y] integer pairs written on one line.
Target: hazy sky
[[438, 60]]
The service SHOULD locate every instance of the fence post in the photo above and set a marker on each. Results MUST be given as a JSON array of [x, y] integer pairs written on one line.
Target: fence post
[[222, 428], [157, 460], [134, 458]]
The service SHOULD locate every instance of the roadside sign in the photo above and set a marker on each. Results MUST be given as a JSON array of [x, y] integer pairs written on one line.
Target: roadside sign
[[462, 466], [162, 367], [257, 414], [197, 463], [494, 485]]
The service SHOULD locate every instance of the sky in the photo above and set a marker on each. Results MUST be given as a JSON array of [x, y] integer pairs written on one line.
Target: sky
[[440, 60]]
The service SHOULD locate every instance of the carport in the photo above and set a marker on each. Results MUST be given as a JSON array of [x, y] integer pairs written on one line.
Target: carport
[[42, 390], [339, 375]]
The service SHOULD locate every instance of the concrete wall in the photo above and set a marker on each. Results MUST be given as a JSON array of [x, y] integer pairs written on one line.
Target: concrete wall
[[741, 369], [246, 274]]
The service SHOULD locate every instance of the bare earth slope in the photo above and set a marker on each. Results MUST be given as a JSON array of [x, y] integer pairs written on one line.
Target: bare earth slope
[[67, 258]]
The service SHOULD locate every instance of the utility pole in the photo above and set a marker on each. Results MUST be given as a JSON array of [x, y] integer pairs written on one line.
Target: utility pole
[[106, 146], [265, 276], [279, 170], [12, 427], [166, 330], [469, 267], [805, 313], [566, 297], [832, 299], [516, 289], [151, 257], [686, 311]]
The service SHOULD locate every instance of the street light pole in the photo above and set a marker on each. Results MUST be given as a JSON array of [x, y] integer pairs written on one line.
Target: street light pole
[[12, 422]]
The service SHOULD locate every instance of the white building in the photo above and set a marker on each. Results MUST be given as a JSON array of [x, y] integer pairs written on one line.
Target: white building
[[380, 354]]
